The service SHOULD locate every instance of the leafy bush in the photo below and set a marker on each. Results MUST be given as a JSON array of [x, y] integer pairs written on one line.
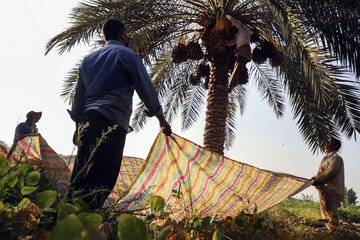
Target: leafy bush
[[350, 213]]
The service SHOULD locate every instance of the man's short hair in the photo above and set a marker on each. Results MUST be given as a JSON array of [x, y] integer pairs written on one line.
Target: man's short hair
[[112, 28], [31, 113], [336, 143]]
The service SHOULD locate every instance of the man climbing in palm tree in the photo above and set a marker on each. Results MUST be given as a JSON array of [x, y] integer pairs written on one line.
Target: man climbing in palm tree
[[243, 53]]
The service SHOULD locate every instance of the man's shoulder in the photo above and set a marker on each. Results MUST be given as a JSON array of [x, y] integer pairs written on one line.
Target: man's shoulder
[[336, 157], [22, 124], [125, 51]]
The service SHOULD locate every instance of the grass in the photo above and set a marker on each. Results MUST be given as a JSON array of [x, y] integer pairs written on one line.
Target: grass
[[302, 220]]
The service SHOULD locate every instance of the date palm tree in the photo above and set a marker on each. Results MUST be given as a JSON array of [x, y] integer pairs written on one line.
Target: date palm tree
[[304, 51]]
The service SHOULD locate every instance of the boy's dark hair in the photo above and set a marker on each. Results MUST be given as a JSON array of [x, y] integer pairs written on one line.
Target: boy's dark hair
[[112, 28], [336, 143]]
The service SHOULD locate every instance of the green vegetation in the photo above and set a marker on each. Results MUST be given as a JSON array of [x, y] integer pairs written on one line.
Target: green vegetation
[[31, 209]]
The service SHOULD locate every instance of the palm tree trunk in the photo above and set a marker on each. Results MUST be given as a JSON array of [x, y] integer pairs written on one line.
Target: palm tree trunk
[[216, 111]]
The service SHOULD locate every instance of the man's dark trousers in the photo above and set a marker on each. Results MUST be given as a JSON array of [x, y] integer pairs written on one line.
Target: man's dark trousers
[[96, 168]]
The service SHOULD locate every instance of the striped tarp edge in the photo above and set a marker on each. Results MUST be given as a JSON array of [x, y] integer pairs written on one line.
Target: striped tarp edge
[[210, 184]]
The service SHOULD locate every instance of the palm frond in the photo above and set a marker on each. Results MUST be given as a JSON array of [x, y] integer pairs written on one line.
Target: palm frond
[[139, 118], [337, 22], [192, 105], [314, 122], [70, 81], [346, 106], [159, 18], [230, 126], [177, 90], [316, 65], [269, 86], [239, 94]]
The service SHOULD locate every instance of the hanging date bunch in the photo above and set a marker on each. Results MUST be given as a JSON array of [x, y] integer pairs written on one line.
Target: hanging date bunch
[[268, 50], [202, 72], [215, 33], [192, 50], [179, 53]]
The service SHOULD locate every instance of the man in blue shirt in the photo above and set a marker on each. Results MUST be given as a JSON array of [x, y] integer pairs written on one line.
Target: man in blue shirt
[[25, 128], [106, 82], [29, 126]]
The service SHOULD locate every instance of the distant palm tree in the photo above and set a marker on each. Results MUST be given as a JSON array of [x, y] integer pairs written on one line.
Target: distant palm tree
[[298, 47]]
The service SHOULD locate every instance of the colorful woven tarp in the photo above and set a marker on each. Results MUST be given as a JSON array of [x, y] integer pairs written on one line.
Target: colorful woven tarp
[[34, 150], [192, 180], [209, 184], [57, 168]]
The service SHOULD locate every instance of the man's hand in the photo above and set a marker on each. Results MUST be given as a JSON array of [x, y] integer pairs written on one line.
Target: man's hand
[[317, 182], [165, 126], [75, 135]]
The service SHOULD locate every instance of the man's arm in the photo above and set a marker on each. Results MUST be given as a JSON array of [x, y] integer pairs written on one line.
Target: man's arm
[[147, 93], [237, 23], [78, 105], [329, 173]]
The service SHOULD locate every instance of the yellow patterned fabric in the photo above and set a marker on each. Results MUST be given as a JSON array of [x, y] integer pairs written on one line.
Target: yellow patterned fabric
[[209, 184], [206, 183], [34, 150]]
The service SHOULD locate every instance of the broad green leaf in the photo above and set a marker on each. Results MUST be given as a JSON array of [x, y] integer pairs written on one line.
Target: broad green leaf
[[89, 219], [92, 233], [27, 190], [157, 203], [11, 179], [45, 199], [131, 227], [24, 168], [4, 165], [2, 205], [216, 235], [153, 227], [82, 205], [70, 229], [196, 222], [162, 233], [21, 182], [64, 210], [23, 202], [32, 178]]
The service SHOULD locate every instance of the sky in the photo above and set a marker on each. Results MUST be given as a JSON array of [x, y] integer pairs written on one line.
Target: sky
[[29, 80]]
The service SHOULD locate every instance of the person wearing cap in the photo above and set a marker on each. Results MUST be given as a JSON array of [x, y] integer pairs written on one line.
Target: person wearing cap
[[330, 183], [29, 126], [107, 79], [25, 128]]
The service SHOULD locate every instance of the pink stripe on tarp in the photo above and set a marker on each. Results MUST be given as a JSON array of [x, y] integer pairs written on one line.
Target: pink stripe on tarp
[[182, 177], [228, 189], [282, 185], [208, 160], [206, 184], [151, 175]]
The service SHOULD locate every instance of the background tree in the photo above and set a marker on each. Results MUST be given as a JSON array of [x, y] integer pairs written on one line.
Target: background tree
[[4, 144], [350, 196], [298, 52]]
